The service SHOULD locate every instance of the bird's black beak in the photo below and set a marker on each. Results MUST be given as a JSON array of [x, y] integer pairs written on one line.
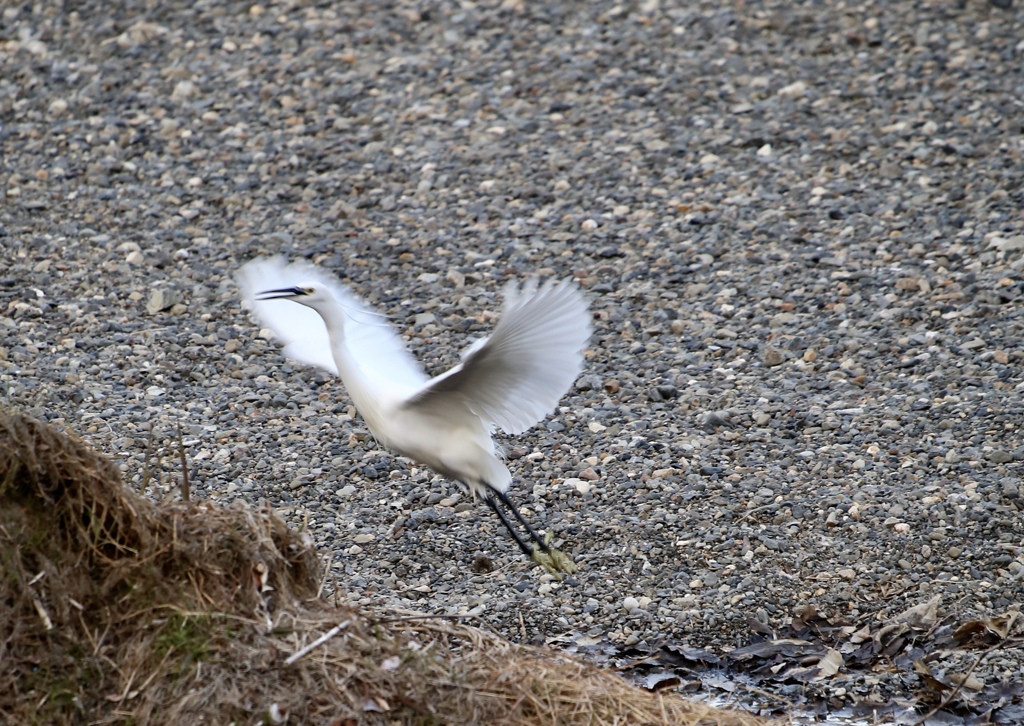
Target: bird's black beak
[[283, 292]]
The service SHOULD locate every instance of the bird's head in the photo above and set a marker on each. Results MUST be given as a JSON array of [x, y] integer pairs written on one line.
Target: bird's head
[[311, 294]]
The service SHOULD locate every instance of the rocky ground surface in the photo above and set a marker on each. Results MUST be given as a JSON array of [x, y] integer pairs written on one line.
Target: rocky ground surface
[[800, 230]]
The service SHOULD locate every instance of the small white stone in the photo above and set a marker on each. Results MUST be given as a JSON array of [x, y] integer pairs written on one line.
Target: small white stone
[[455, 277], [630, 603], [183, 90], [1010, 244], [796, 89], [162, 299], [580, 485]]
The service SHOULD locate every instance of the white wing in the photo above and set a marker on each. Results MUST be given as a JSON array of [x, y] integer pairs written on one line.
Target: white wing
[[515, 377], [372, 343]]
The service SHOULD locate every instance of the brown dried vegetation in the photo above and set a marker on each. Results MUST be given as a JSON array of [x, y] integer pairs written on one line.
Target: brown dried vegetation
[[118, 609]]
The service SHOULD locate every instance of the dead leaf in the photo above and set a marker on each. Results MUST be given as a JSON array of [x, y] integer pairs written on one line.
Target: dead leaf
[[999, 626], [929, 678], [786, 647], [922, 616], [829, 665], [967, 681], [803, 615], [682, 655], [659, 681], [758, 627], [861, 635], [890, 632]]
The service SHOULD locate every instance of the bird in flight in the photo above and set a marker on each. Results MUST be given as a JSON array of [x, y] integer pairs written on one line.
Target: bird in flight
[[509, 380]]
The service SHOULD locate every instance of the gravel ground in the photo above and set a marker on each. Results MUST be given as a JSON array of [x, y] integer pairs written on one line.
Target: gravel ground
[[799, 225]]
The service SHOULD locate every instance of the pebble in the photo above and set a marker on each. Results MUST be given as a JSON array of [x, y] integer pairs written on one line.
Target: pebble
[[162, 299], [580, 485], [1000, 456], [794, 90], [773, 357]]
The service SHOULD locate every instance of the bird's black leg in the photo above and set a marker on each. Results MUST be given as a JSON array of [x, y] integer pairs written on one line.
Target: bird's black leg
[[524, 546], [552, 560], [522, 520]]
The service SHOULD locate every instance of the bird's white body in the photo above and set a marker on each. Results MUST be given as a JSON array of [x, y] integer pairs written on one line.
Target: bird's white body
[[510, 380]]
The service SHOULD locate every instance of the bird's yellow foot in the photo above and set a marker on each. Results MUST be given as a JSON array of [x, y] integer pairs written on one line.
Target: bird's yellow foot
[[554, 561]]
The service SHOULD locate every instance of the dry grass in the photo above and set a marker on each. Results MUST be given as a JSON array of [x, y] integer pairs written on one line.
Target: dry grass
[[118, 609]]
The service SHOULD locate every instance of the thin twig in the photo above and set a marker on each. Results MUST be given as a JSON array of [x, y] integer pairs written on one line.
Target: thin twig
[[43, 615], [147, 473], [427, 616], [959, 686], [770, 505], [185, 491], [317, 643]]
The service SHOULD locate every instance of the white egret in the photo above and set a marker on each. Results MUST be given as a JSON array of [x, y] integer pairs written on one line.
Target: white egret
[[510, 380]]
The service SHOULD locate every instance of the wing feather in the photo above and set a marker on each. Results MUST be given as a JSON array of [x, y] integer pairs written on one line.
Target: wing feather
[[516, 376]]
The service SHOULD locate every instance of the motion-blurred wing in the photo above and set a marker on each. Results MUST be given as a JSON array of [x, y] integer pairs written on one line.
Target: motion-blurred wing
[[516, 377], [372, 343]]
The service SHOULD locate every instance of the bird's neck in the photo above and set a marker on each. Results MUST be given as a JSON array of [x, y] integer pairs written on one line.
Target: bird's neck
[[360, 389]]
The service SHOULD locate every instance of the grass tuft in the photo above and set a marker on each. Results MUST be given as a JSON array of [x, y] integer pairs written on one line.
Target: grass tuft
[[118, 609]]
